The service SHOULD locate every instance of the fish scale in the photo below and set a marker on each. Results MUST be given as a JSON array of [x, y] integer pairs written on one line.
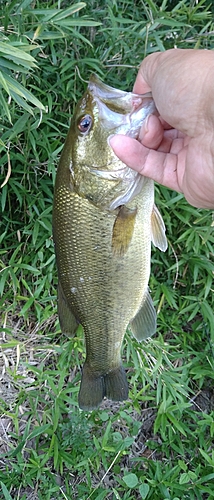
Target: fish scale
[[103, 261]]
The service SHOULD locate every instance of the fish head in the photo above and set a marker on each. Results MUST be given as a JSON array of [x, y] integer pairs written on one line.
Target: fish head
[[96, 172]]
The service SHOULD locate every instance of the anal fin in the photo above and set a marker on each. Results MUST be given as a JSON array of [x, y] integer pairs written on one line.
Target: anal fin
[[67, 320], [143, 325], [158, 230]]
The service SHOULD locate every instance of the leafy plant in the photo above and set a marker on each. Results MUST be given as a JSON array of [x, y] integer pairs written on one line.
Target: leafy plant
[[158, 444]]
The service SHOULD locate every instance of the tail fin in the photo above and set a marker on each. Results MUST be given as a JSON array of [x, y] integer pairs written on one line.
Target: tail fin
[[116, 385], [95, 387]]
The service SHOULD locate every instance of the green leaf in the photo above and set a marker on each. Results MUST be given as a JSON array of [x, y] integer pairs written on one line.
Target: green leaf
[[5, 108], [173, 23], [27, 306], [17, 88], [208, 313], [176, 424], [106, 434], [144, 490], [101, 495], [18, 127], [209, 459], [104, 416], [168, 293], [56, 451], [78, 22], [18, 56], [63, 13], [21, 102], [131, 480], [184, 478], [5, 491], [41, 429], [3, 83], [22, 5]]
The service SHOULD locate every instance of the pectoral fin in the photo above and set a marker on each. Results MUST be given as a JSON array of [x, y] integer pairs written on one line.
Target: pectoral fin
[[67, 320], [143, 324], [123, 230], [158, 230]]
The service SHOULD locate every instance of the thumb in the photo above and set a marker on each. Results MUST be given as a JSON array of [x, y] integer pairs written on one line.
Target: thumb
[[144, 78]]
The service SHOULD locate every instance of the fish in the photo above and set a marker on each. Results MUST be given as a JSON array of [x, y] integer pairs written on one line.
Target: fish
[[104, 219]]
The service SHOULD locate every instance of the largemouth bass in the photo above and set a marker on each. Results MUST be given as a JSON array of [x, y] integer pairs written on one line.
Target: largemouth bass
[[104, 220]]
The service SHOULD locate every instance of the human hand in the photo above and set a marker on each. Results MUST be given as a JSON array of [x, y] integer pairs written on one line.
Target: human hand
[[176, 149]]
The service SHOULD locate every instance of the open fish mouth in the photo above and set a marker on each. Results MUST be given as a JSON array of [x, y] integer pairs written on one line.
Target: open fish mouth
[[119, 111], [117, 99]]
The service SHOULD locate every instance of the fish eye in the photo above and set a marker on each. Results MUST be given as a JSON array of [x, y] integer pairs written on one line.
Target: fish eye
[[85, 123]]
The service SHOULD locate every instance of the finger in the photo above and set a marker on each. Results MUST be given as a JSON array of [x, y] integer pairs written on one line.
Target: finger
[[140, 85], [151, 133], [166, 125], [143, 80], [172, 142], [158, 165], [199, 188]]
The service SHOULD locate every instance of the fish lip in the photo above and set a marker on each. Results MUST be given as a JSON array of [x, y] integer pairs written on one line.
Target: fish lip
[[102, 90]]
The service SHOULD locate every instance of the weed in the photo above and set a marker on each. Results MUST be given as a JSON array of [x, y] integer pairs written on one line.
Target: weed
[[158, 444]]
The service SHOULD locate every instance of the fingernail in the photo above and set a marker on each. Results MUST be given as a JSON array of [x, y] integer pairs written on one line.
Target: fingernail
[[109, 139], [147, 123]]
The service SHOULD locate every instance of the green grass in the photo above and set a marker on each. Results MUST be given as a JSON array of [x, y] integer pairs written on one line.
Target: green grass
[[159, 444]]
